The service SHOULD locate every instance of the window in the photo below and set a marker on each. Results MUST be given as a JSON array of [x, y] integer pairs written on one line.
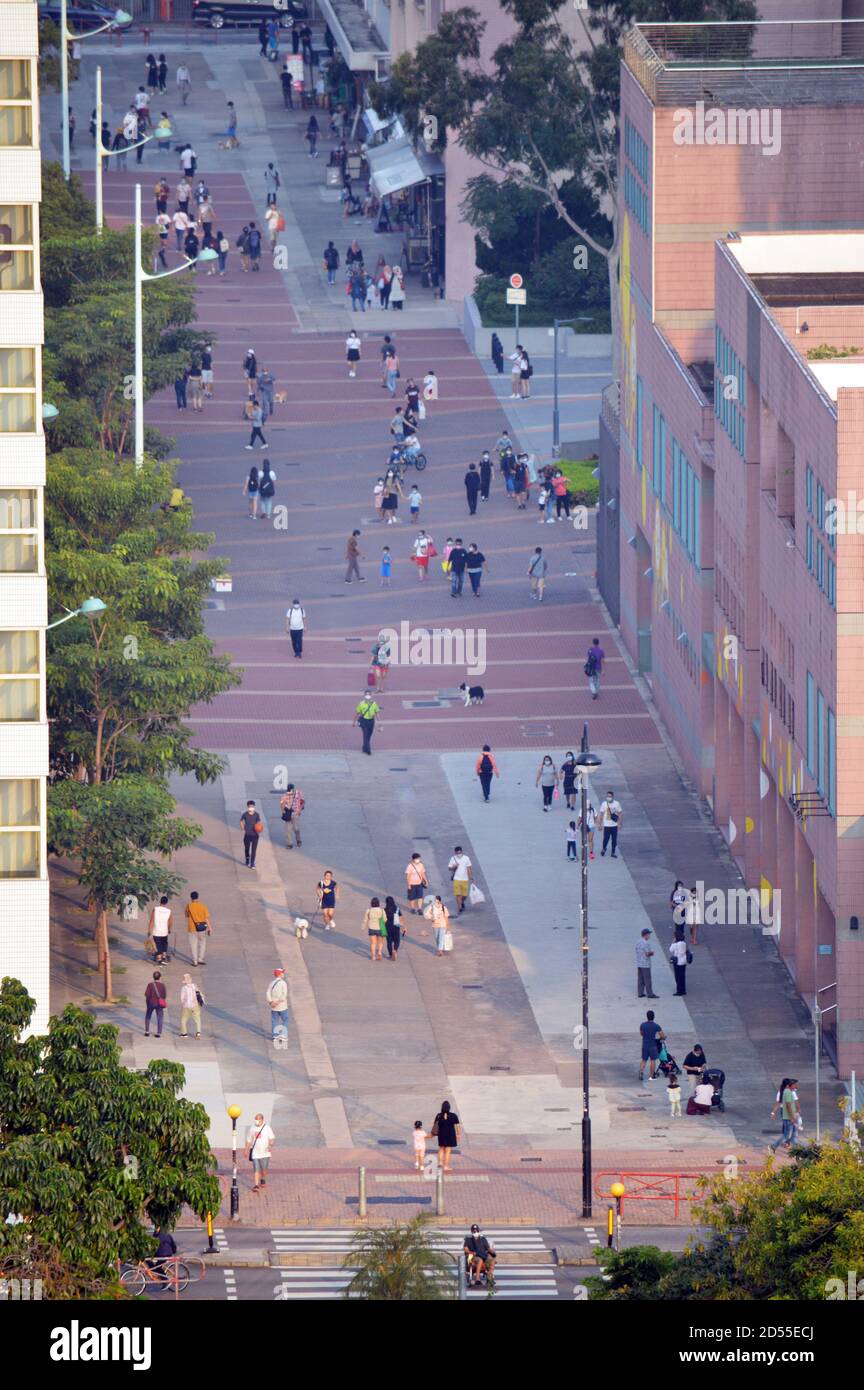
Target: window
[[19, 676], [832, 763], [820, 506], [811, 725], [820, 743], [831, 584], [20, 825], [676, 485], [19, 533], [662, 461], [17, 390], [16, 241], [808, 490], [697, 503], [658, 454], [639, 405], [729, 390], [16, 104], [809, 548]]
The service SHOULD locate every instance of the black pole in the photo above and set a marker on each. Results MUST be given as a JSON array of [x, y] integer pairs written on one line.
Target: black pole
[[586, 1110]]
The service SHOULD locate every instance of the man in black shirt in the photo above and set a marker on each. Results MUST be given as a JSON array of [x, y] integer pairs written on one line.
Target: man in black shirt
[[472, 488], [485, 475], [251, 827], [474, 564], [651, 1034], [458, 558], [480, 1257]]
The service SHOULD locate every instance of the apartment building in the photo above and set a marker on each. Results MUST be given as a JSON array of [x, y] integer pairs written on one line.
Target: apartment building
[[23, 597], [742, 212]]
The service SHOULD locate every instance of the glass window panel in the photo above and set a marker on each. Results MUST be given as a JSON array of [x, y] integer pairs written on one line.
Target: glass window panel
[[18, 413], [18, 555], [19, 855], [17, 509], [19, 701], [811, 724], [17, 367], [16, 269], [16, 223], [832, 763], [19, 653], [16, 125], [19, 801], [15, 80]]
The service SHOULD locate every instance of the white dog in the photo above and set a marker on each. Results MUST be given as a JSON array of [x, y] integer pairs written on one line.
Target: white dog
[[301, 928]]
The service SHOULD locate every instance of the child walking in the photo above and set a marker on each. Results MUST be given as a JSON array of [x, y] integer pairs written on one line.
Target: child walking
[[673, 1091], [571, 840], [420, 1137], [386, 567], [414, 500]]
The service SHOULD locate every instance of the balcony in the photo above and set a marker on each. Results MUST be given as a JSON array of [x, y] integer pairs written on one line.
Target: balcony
[[772, 62]]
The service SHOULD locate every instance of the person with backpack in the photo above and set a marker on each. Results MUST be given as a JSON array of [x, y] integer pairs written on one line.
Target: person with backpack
[[486, 768], [191, 1000], [594, 666], [365, 716], [266, 488], [295, 626], [330, 258], [242, 244], [250, 490], [253, 247], [537, 570], [272, 183]]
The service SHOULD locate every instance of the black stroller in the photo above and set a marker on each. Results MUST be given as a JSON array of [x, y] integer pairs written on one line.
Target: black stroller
[[716, 1078], [667, 1066]]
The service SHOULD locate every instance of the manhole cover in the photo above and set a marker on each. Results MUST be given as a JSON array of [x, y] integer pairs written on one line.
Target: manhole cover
[[530, 1160], [630, 1109]]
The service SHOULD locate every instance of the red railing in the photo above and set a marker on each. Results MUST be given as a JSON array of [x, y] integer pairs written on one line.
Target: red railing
[[648, 1187]]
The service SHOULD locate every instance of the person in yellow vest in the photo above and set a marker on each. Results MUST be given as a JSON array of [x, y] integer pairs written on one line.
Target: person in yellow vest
[[199, 928]]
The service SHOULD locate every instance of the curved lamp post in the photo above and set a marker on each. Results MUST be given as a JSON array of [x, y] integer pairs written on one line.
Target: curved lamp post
[[67, 37], [585, 761], [89, 607], [101, 150], [140, 276]]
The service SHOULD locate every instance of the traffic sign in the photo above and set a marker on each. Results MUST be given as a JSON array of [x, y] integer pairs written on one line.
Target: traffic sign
[[516, 282], [517, 296]]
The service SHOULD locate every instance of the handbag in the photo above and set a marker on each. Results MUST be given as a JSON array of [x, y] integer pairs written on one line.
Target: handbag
[[199, 999], [254, 1142], [689, 956], [448, 941], [445, 565], [433, 1133], [431, 552], [287, 813], [382, 926]]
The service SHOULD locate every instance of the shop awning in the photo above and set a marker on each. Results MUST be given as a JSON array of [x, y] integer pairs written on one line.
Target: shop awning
[[396, 165]]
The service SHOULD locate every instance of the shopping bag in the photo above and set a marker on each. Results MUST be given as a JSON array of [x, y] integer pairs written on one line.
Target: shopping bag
[[448, 941], [421, 410], [476, 896]]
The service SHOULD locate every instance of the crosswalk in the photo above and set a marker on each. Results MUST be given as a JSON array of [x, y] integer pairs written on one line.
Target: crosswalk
[[329, 1280]]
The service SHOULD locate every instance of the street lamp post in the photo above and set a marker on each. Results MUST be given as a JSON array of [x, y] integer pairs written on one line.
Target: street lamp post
[[101, 151], [67, 37], [87, 609], [234, 1112], [140, 276], [585, 760]]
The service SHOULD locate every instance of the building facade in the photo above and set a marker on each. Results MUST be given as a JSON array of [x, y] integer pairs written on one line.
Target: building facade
[[731, 600], [24, 945]]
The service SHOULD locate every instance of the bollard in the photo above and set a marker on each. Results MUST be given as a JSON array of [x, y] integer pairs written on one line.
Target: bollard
[[361, 1192], [439, 1193], [210, 1245], [610, 1225]]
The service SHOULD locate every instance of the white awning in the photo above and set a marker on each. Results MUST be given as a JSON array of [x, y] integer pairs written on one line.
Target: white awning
[[395, 166]]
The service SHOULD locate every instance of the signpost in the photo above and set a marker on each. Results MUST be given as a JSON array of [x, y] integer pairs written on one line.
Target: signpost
[[516, 295]]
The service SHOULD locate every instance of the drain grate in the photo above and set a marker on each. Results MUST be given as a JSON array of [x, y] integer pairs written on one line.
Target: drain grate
[[392, 1142], [323, 547], [397, 769], [423, 704], [499, 1068], [530, 1160], [536, 731], [473, 986]]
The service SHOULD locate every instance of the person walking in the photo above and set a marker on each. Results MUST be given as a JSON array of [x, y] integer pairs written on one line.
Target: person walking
[[184, 82], [291, 807], [253, 247], [391, 372], [386, 563], [259, 1141], [486, 768], [206, 218], [184, 193], [191, 1000], [790, 1113], [677, 901], [357, 287], [231, 141], [520, 483], [644, 987], [256, 420], [365, 716], [447, 1129], [515, 367], [694, 1064], [328, 892], [462, 875], [191, 247], [353, 558], [265, 383], [223, 246], [295, 626], [287, 81], [180, 381], [156, 1002], [387, 347], [591, 821], [159, 927], [537, 571], [312, 132], [594, 666], [251, 825], [430, 386], [385, 286], [162, 73], [439, 915], [195, 384], [352, 351], [475, 563], [181, 223], [611, 819], [458, 559], [272, 183], [547, 780], [198, 927], [681, 956], [415, 880], [267, 488], [472, 488], [207, 372], [571, 839], [415, 501], [418, 1140], [242, 244], [569, 780], [421, 552], [277, 998], [330, 257], [673, 1091], [693, 914], [375, 925], [390, 497], [250, 489], [526, 371], [379, 664], [397, 289], [652, 1035], [393, 921], [250, 371], [485, 475]]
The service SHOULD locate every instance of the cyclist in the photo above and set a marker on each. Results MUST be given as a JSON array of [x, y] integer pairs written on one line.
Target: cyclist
[[480, 1257], [165, 1250]]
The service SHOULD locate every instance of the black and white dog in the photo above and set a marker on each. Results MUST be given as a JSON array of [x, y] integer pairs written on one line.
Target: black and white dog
[[474, 694]]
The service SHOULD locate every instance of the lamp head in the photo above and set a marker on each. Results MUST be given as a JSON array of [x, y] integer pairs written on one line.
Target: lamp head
[[92, 605], [49, 411], [234, 1112], [207, 254], [617, 1189], [588, 760]]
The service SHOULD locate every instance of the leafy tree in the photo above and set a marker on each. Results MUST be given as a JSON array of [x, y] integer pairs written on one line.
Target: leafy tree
[[121, 682], [88, 1148], [65, 209], [400, 1263], [112, 829], [49, 57]]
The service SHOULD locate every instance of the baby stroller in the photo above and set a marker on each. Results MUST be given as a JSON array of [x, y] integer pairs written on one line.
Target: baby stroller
[[716, 1078], [666, 1064]]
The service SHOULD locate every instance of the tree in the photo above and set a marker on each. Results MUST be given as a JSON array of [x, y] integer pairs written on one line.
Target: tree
[[88, 1148], [112, 830], [121, 682], [400, 1263]]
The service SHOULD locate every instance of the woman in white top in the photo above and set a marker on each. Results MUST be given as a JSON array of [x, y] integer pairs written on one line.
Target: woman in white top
[[352, 352], [590, 820], [260, 1139], [159, 927], [515, 371], [189, 1006], [397, 288]]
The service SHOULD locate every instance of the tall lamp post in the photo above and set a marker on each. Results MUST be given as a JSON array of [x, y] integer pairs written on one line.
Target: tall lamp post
[[234, 1113], [101, 151], [67, 37], [585, 761], [140, 276]]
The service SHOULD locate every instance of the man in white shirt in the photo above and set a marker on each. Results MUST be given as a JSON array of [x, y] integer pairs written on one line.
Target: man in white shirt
[[181, 227], [188, 159], [184, 82], [611, 818], [295, 626], [678, 952], [277, 998], [260, 1140], [515, 370], [461, 872]]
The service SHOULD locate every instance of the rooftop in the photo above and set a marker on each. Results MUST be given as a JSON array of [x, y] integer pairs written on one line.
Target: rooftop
[[770, 62]]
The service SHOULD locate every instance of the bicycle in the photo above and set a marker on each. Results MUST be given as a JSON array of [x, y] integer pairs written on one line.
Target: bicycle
[[168, 1273], [406, 458]]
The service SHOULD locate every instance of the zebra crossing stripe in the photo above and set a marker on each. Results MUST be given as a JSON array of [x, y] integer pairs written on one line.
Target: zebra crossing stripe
[[524, 1282], [230, 1286]]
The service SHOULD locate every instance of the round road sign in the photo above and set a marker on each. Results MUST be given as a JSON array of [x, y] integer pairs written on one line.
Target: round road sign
[[516, 282]]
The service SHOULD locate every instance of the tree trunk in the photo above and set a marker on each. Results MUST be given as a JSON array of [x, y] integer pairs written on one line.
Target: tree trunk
[[104, 954]]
